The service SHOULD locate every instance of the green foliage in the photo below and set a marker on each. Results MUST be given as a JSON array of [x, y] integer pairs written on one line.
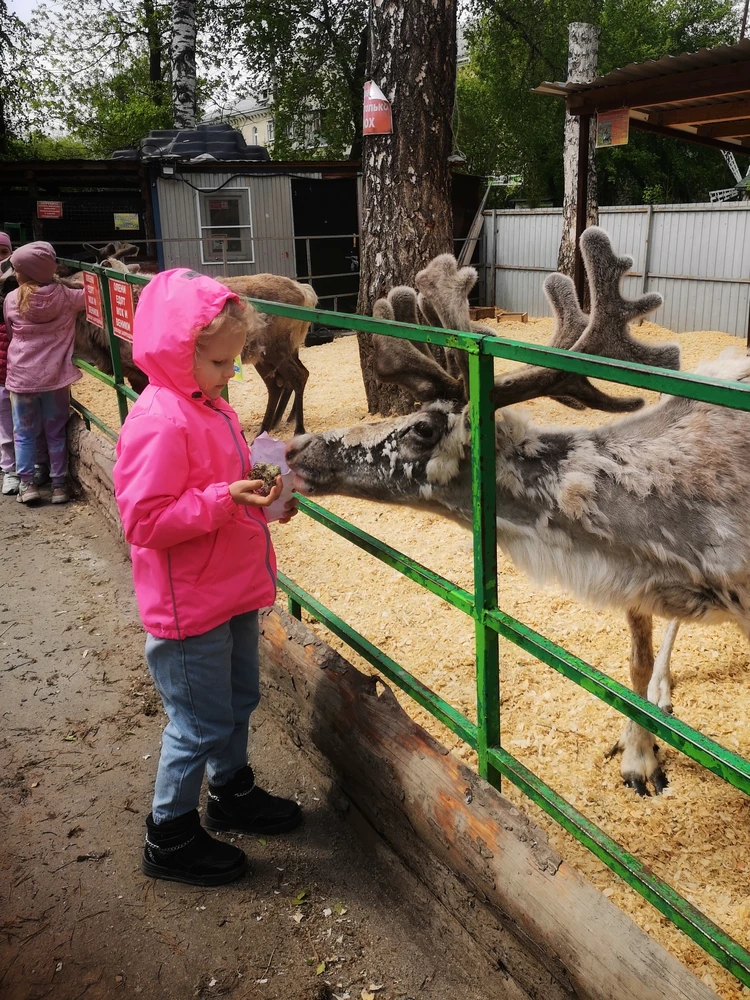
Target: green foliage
[[37, 146], [116, 111], [516, 44], [310, 55], [13, 46]]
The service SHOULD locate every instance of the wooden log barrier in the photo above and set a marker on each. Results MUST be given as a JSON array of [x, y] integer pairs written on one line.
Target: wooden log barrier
[[533, 914]]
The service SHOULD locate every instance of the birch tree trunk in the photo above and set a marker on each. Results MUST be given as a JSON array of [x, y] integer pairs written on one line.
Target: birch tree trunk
[[183, 63], [583, 49], [407, 217]]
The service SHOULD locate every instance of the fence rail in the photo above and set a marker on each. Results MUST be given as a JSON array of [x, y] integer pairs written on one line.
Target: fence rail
[[482, 605]]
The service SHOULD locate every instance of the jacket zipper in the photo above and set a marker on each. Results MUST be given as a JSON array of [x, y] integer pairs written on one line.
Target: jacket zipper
[[245, 475]]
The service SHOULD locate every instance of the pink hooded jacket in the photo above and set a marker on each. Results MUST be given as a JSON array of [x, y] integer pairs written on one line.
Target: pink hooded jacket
[[41, 339], [198, 558]]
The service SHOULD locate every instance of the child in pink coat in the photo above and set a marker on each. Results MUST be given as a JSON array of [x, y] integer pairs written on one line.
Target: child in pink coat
[[203, 564], [40, 319]]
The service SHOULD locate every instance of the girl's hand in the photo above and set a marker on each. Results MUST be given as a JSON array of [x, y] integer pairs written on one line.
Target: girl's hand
[[243, 492], [291, 510]]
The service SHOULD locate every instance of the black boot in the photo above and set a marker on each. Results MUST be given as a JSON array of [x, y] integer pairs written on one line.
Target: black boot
[[180, 850], [240, 805]]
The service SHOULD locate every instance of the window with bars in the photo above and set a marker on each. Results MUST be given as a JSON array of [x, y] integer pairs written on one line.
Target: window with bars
[[226, 226]]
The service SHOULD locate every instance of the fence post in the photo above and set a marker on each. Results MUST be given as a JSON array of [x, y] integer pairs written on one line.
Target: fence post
[[647, 248], [482, 415], [309, 259], [114, 346], [493, 258], [224, 256]]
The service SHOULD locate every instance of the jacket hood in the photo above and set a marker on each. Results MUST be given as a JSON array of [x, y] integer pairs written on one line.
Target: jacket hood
[[171, 310], [45, 303]]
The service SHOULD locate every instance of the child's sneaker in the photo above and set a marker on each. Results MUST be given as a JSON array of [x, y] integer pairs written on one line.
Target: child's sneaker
[[240, 805], [41, 475], [60, 494], [180, 850], [11, 482], [28, 493]]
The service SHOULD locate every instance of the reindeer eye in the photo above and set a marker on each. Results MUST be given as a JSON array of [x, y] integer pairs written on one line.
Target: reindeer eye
[[424, 429]]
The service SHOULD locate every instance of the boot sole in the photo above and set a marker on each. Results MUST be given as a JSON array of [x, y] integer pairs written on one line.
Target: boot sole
[[225, 826], [169, 875]]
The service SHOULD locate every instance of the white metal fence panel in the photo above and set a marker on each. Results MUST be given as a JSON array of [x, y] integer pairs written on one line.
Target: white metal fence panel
[[697, 256]]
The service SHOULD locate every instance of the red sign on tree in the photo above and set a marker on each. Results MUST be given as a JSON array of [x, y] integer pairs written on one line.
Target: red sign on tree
[[377, 119], [49, 210], [94, 311], [121, 298]]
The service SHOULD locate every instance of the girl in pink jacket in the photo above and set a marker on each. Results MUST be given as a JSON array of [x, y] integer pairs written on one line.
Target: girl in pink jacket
[[40, 320], [203, 565]]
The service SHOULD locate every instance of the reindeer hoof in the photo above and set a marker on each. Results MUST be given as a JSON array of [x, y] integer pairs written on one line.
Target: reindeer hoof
[[659, 780], [636, 782], [613, 751]]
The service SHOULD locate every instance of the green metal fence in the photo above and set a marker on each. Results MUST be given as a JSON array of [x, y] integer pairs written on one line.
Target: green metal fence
[[490, 621]]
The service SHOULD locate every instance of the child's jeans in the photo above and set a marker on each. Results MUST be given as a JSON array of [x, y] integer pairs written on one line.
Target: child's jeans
[[7, 451], [209, 685], [42, 414]]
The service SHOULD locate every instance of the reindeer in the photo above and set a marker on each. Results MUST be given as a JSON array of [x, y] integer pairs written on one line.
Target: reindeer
[[648, 513], [272, 344]]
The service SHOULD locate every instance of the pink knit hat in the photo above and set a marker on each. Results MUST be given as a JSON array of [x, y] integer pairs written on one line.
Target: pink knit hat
[[36, 260], [5, 240]]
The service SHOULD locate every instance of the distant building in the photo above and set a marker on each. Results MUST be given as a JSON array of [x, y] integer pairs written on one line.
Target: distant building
[[253, 116]]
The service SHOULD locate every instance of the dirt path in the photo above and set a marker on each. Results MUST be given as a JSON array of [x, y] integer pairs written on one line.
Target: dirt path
[[320, 916]]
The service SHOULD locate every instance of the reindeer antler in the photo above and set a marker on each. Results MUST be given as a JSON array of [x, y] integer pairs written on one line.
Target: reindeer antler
[[608, 331], [407, 363]]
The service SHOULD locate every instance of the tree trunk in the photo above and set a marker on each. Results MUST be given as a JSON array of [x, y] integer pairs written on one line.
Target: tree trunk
[[183, 63], [360, 67], [406, 212], [154, 49], [583, 48]]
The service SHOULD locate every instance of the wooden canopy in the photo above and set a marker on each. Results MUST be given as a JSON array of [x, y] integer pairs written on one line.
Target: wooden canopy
[[701, 97]]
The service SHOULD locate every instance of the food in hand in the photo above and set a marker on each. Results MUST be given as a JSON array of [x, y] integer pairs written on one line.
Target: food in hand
[[268, 474]]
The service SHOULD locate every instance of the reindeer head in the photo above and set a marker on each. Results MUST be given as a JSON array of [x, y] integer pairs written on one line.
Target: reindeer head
[[424, 457]]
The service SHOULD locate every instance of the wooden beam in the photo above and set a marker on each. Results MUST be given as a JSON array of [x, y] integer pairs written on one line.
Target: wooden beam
[[726, 129], [726, 111], [709, 81], [455, 832], [732, 146]]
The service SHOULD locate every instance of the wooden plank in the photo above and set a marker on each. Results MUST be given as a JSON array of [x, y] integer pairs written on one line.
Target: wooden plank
[[482, 312], [706, 113], [519, 317], [451, 828], [709, 81], [740, 126], [731, 145]]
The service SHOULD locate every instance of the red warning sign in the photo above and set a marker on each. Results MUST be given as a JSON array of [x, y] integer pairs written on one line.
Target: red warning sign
[[94, 311], [378, 119], [49, 210], [121, 299]]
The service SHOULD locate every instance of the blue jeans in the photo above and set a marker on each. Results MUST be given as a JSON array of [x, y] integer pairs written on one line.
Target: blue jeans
[[36, 414], [209, 685]]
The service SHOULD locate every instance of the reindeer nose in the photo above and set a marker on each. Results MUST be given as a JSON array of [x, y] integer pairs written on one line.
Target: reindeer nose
[[297, 445]]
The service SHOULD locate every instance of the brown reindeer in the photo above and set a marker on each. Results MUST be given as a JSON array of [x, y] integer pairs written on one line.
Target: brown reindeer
[[648, 513]]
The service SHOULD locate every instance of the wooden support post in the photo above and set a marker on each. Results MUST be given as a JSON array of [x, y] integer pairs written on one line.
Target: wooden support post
[[579, 276]]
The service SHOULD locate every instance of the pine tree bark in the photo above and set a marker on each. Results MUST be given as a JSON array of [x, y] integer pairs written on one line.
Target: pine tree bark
[[183, 63], [583, 50], [407, 217]]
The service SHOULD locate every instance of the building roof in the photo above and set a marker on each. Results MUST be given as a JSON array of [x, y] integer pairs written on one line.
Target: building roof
[[700, 96]]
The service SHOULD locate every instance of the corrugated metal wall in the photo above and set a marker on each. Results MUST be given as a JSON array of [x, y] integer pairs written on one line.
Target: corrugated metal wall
[[271, 215], [697, 256]]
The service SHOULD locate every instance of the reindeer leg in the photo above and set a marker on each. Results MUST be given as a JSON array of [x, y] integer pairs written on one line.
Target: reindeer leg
[[286, 395], [274, 391], [299, 392], [660, 685], [639, 764]]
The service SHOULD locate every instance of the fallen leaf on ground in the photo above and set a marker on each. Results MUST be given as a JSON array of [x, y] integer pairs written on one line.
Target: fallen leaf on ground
[[320, 969]]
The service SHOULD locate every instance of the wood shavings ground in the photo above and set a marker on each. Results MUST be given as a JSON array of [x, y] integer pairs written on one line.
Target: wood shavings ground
[[697, 835]]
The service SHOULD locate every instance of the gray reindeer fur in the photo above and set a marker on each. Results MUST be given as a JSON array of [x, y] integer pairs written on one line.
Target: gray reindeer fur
[[648, 513]]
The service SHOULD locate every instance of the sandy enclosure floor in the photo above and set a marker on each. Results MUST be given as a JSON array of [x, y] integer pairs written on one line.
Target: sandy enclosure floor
[[697, 835]]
